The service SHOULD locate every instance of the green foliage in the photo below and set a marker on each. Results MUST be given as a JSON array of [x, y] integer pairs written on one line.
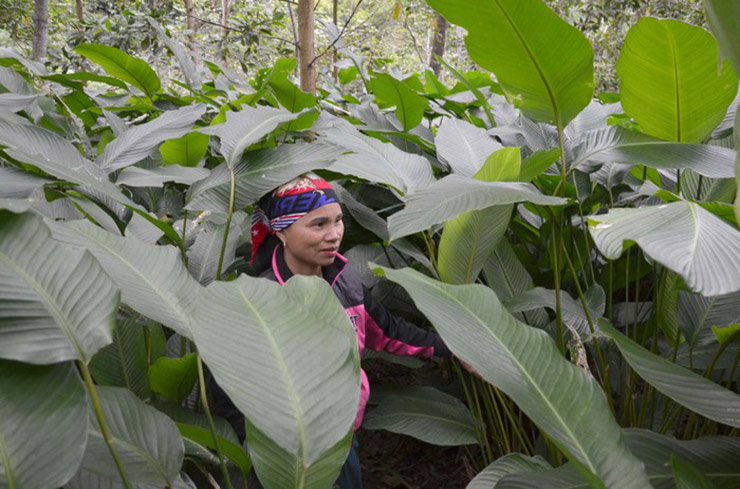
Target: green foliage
[[597, 296]]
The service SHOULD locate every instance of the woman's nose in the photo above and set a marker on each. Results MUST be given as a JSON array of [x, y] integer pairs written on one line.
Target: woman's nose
[[334, 233]]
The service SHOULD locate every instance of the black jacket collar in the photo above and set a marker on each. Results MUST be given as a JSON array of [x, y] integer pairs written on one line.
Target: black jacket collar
[[282, 273]]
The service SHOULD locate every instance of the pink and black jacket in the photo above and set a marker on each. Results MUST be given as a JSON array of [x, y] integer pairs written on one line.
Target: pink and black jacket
[[374, 326]]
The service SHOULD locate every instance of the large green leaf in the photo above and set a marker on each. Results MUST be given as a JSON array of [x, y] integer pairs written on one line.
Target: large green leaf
[[147, 442], [140, 140], [54, 155], [723, 17], [287, 358], [697, 315], [409, 105], [120, 65], [188, 68], [133, 176], [682, 236], [258, 173], [373, 160], [187, 150], [571, 310], [246, 127], [468, 240], [204, 254], [512, 463], [56, 303], [617, 145], [427, 414], [452, 195], [463, 146], [153, 279], [524, 363], [124, 363], [539, 60], [84, 479], [687, 475], [669, 80], [43, 424], [173, 378], [682, 385]]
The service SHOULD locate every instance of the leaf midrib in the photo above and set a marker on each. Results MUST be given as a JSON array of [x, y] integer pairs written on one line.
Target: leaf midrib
[[52, 306], [283, 367], [515, 360]]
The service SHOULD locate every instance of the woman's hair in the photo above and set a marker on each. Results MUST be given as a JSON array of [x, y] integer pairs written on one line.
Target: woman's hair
[[301, 181]]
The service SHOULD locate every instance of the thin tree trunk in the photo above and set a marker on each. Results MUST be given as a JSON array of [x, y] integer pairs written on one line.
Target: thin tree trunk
[[189, 20], [334, 18], [438, 46], [225, 7], [40, 28], [78, 10], [307, 50]]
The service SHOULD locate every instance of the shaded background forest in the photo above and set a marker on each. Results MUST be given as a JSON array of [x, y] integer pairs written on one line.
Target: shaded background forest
[[252, 34]]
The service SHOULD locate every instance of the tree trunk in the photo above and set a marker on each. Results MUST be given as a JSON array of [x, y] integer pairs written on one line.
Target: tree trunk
[[40, 28], [334, 18], [78, 10], [438, 46], [225, 7], [189, 20], [306, 47]]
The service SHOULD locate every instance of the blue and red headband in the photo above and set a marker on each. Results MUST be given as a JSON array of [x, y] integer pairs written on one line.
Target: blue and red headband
[[279, 210]]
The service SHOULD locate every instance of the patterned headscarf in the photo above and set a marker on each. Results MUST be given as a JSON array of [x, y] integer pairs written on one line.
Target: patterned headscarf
[[278, 210]]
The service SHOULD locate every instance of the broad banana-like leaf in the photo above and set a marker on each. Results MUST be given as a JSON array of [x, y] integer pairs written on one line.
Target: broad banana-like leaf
[[670, 82], [188, 68], [43, 424], [617, 145], [682, 385], [133, 176], [258, 173], [682, 236], [124, 363], [173, 378], [723, 17], [187, 150], [524, 362], [203, 438], [697, 315], [375, 161], [508, 278], [538, 59], [56, 303], [687, 475], [246, 127], [409, 105], [512, 463], [464, 146], [715, 456], [147, 442], [571, 310], [54, 155], [84, 479], [427, 414], [120, 65], [140, 140], [203, 256], [153, 279], [368, 218], [287, 358], [18, 184], [468, 240], [452, 195], [16, 103]]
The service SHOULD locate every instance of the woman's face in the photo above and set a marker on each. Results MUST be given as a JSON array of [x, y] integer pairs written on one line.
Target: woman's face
[[313, 240]]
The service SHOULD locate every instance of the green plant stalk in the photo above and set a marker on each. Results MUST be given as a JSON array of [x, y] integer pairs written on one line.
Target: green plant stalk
[[733, 369], [603, 371], [211, 424], [493, 411], [232, 192], [430, 249], [474, 405], [583, 226], [101, 421], [557, 244], [516, 423], [184, 231]]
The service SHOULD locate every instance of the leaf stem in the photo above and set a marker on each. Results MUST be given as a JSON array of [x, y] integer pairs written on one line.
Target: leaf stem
[[101, 421], [232, 192], [211, 424]]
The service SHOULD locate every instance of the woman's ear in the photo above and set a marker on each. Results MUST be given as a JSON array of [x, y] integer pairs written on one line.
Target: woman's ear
[[281, 236]]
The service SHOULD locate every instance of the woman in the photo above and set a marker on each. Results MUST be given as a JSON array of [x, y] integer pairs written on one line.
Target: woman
[[297, 229]]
